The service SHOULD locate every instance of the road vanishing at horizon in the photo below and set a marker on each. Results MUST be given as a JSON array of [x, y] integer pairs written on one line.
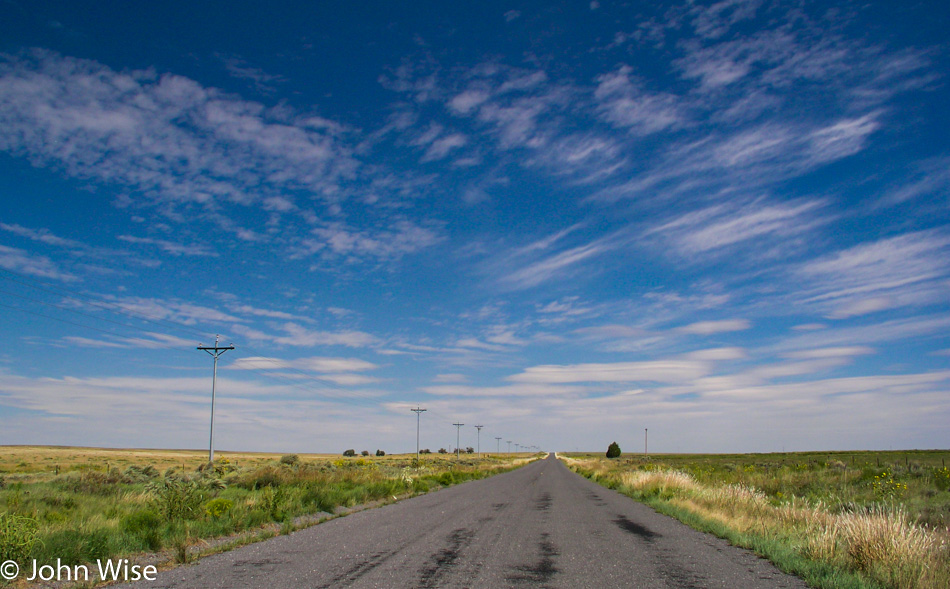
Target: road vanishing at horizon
[[538, 526]]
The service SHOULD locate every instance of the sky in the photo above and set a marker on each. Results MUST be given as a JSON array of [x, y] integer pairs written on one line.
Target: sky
[[726, 223]]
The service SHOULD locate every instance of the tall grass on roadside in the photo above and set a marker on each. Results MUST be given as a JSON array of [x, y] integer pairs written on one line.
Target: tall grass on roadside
[[86, 514], [877, 543]]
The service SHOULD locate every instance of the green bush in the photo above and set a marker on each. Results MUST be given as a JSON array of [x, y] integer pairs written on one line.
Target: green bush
[[218, 507], [613, 450], [942, 478], [380, 453], [263, 477], [289, 459], [272, 499], [176, 499], [17, 536], [350, 452]]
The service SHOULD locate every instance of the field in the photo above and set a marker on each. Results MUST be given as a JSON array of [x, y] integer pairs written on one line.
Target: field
[[81, 505], [839, 519]]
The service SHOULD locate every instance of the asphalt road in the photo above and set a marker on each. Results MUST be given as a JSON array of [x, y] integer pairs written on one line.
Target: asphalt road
[[538, 526]]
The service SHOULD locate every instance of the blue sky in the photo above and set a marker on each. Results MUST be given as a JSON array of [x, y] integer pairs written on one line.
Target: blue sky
[[566, 221]]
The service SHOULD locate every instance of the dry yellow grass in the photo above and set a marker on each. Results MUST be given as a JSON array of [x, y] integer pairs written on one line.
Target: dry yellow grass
[[882, 543]]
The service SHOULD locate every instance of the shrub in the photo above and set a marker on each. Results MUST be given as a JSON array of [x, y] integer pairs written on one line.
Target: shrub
[[425, 451], [443, 451], [289, 459], [17, 536], [613, 450], [271, 500], [176, 499], [350, 452], [942, 478], [218, 507], [380, 453], [470, 450], [365, 452], [263, 477]]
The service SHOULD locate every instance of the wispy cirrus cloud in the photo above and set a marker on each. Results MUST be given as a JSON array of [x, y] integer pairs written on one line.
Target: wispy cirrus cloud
[[720, 227], [25, 262], [908, 269], [664, 371], [170, 247], [624, 103], [147, 340], [400, 238], [42, 235], [162, 136], [714, 327]]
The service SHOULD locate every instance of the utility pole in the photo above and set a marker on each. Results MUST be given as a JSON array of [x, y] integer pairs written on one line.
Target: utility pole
[[458, 429], [215, 352], [478, 444], [418, 413], [646, 440], [497, 444], [509, 448]]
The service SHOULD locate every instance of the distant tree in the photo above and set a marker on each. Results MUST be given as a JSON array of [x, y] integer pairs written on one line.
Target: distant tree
[[443, 451], [350, 452], [289, 459], [613, 450], [425, 451], [380, 453], [470, 450], [365, 452]]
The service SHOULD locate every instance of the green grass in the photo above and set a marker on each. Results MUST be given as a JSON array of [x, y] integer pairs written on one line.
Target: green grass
[[94, 510], [838, 520]]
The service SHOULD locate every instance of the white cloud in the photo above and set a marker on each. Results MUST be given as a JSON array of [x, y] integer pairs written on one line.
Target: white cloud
[[721, 226], [670, 371], [301, 336], [509, 391], [401, 238], [172, 310], [843, 138], [512, 15], [442, 146], [622, 102], [714, 327], [894, 271], [312, 364], [166, 136], [18, 260], [170, 247], [846, 352], [715, 20], [41, 235], [467, 101], [718, 354]]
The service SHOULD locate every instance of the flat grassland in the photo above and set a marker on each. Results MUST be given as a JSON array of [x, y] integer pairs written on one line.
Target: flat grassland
[[82, 505], [837, 519]]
